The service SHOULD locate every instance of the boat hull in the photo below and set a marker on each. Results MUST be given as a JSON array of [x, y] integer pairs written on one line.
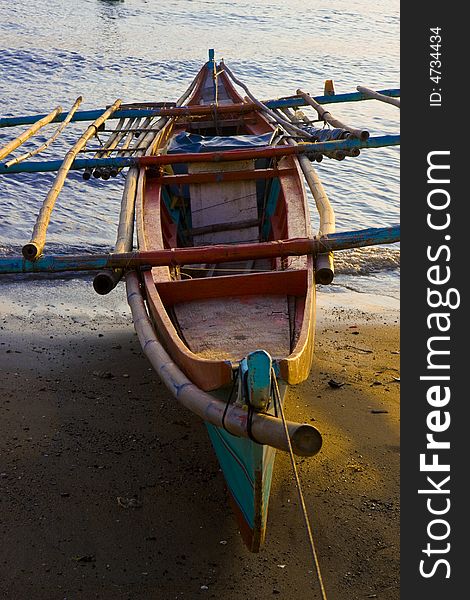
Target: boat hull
[[211, 317], [248, 470]]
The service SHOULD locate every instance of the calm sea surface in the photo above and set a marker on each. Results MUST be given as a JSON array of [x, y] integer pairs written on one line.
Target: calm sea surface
[[144, 50]]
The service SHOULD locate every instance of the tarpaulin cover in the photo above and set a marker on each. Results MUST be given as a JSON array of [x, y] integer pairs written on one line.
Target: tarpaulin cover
[[325, 134], [192, 142]]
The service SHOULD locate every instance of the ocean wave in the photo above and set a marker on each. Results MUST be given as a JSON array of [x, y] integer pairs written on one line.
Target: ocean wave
[[367, 261]]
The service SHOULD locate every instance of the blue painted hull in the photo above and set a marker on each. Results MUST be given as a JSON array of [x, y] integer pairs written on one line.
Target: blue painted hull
[[248, 470]]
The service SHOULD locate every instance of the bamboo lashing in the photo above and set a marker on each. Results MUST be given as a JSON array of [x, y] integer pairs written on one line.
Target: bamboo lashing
[[46, 144], [372, 95], [111, 143], [36, 245], [21, 139], [326, 116], [124, 148]]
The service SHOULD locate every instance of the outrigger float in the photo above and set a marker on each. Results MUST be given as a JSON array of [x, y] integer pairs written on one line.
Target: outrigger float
[[222, 283]]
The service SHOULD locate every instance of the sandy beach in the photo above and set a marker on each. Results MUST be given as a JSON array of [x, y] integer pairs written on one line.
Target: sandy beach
[[110, 490]]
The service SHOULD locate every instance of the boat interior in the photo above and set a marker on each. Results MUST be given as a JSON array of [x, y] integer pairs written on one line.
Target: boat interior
[[223, 311]]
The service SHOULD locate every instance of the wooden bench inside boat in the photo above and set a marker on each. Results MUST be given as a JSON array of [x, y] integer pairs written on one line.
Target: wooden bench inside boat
[[216, 316], [292, 283]]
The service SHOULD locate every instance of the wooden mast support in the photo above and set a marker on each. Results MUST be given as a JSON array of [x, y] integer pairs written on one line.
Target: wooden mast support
[[218, 253], [305, 439], [29, 133], [372, 95], [36, 245], [361, 134]]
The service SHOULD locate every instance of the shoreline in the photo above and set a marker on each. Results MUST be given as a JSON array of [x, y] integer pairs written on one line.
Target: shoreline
[[85, 421]]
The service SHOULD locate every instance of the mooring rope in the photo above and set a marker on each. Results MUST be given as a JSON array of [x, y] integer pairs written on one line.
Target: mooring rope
[[299, 489], [229, 400]]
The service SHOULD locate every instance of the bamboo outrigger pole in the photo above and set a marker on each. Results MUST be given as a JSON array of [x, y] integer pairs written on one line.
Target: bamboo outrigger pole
[[324, 264], [105, 281], [36, 245], [246, 154], [218, 253], [372, 95], [5, 151], [59, 130], [289, 101], [324, 114]]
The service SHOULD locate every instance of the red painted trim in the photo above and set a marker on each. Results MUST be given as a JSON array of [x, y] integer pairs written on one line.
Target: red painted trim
[[219, 253], [218, 156], [293, 283], [208, 109], [222, 176]]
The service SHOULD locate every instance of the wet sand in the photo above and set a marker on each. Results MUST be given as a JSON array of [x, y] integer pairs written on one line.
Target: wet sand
[[110, 490]]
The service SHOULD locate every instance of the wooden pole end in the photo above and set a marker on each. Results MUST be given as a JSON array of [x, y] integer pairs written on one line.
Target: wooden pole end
[[105, 281], [31, 251], [306, 440]]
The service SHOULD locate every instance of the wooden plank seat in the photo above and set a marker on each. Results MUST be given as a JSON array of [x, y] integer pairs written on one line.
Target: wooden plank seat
[[292, 283]]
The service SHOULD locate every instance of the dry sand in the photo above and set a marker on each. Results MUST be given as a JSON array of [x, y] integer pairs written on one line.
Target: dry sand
[[84, 421]]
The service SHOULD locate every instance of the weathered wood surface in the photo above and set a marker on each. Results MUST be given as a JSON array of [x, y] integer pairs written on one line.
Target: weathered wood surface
[[226, 202], [230, 328]]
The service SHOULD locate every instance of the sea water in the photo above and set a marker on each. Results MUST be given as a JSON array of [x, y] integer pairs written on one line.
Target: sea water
[[143, 50]]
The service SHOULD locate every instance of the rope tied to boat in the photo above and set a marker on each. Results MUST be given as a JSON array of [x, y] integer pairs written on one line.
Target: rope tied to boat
[[277, 400], [251, 410], [229, 400]]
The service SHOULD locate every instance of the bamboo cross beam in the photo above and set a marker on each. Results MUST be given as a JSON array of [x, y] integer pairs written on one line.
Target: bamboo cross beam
[[361, 134], [289, 101], [21, 139], [35, 246], [219, 253], [46, 144], [372, 95], [228, 155]]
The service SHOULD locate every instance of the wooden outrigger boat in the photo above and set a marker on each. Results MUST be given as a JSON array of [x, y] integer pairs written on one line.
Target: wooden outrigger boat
[[222, 285], [230, 327]]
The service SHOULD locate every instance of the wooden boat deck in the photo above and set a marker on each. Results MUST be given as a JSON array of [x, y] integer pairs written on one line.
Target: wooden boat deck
[[223, 329]]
